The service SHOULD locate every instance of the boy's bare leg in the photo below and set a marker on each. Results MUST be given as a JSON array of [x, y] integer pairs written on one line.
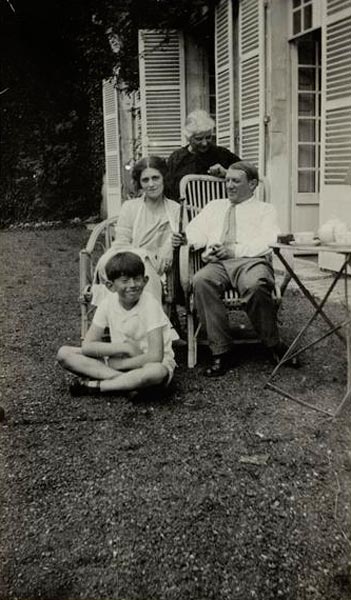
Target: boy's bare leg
[[148, 375], [72, 359]]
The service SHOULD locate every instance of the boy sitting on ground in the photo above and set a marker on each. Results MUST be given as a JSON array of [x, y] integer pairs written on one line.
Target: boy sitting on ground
[[140, 353]]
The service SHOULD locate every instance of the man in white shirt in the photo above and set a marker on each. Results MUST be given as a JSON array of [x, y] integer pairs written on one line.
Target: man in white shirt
[[236, 234]]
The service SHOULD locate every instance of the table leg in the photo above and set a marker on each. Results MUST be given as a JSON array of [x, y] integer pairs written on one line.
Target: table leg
[[307, 293], [333, 329]]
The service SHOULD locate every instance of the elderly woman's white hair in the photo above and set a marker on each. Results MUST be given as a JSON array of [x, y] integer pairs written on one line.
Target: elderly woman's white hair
[[198, 121]]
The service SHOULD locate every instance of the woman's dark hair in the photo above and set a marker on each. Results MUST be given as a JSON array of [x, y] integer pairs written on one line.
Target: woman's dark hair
[[124, 263], [148, 162]]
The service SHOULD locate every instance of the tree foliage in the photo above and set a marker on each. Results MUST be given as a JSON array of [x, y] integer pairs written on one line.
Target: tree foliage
[[55, 54]]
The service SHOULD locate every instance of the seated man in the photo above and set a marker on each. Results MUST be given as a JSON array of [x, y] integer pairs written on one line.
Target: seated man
[[200, 157], [236, 234]]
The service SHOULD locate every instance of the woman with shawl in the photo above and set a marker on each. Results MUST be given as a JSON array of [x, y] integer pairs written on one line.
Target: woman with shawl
[[145, 226]]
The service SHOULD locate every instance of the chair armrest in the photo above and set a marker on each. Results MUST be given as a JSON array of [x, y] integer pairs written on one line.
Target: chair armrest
[[98, 229], [184, 268], [189, 263]]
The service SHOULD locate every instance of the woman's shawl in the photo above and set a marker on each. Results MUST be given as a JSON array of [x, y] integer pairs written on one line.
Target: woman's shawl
[[135, 229], [153, 242]]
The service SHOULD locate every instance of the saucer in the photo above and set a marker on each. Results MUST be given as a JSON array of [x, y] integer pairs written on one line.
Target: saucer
[[313, 243], [339, 245]]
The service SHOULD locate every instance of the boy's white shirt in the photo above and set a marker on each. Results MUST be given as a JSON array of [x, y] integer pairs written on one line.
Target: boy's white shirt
[[135, 324]]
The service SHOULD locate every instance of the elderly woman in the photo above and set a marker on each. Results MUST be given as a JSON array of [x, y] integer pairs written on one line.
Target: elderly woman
[[145, 225], [201, 156]]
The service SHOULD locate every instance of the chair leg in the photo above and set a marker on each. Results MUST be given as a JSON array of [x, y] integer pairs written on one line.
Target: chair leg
[[192, 342], [84, 321], [84, 270]]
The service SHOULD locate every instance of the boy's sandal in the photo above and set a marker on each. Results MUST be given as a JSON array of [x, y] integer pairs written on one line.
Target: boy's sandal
[[79, 388]]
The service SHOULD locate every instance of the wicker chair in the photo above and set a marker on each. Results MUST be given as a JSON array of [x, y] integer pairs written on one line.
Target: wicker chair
[[196, 191]]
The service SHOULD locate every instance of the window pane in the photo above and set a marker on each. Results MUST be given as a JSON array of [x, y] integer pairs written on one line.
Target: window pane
[[307, 130], [297, 22], [307, 78], [306, 181], [306, 156], [296, 3], [307, 105], [307, 16], [306, 53]]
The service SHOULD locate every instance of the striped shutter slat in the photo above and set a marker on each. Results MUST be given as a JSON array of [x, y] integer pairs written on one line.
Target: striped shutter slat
[[112, 147], [336, 131], [162, 91], [224, 74], [251, 81]]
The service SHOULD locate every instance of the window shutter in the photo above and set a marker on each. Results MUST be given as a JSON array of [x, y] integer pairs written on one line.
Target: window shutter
[[224, 74], [251, 80], [337, 92], [112, 148], [162, 91], [336, 118]]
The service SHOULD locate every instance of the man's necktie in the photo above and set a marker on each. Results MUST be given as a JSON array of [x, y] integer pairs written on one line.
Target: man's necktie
[[228, 236]]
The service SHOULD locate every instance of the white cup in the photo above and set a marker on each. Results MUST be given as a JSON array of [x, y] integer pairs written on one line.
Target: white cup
[[304, 237], [343, 238]]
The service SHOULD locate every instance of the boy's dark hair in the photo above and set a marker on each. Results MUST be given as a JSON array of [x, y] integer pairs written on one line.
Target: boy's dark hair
[[148, 162], [124, 263]]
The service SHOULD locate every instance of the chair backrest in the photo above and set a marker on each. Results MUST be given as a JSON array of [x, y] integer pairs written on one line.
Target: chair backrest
[[199, 190]]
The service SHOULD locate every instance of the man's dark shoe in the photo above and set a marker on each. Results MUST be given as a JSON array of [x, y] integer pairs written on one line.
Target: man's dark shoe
[[220, 365], [277, 352]]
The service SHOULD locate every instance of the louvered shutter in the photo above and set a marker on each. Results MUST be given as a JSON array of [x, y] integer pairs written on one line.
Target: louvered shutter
[[337, 96], [224, 74], [335, 197], [162, 91], [251, 81], [112, 148]]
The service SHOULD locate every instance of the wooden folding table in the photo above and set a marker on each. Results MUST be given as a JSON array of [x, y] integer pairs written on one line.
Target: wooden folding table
[[342, 329]]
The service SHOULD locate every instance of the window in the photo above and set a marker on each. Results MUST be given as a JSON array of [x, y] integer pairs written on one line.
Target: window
[[308, 115], [302, 16]]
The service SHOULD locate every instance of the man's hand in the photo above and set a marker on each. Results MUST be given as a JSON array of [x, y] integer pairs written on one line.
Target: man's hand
[[217, 170], [217, 252], [178, 239], [220, 251]]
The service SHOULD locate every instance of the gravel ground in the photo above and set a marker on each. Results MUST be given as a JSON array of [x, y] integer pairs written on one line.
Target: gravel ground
[[224, 490]]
